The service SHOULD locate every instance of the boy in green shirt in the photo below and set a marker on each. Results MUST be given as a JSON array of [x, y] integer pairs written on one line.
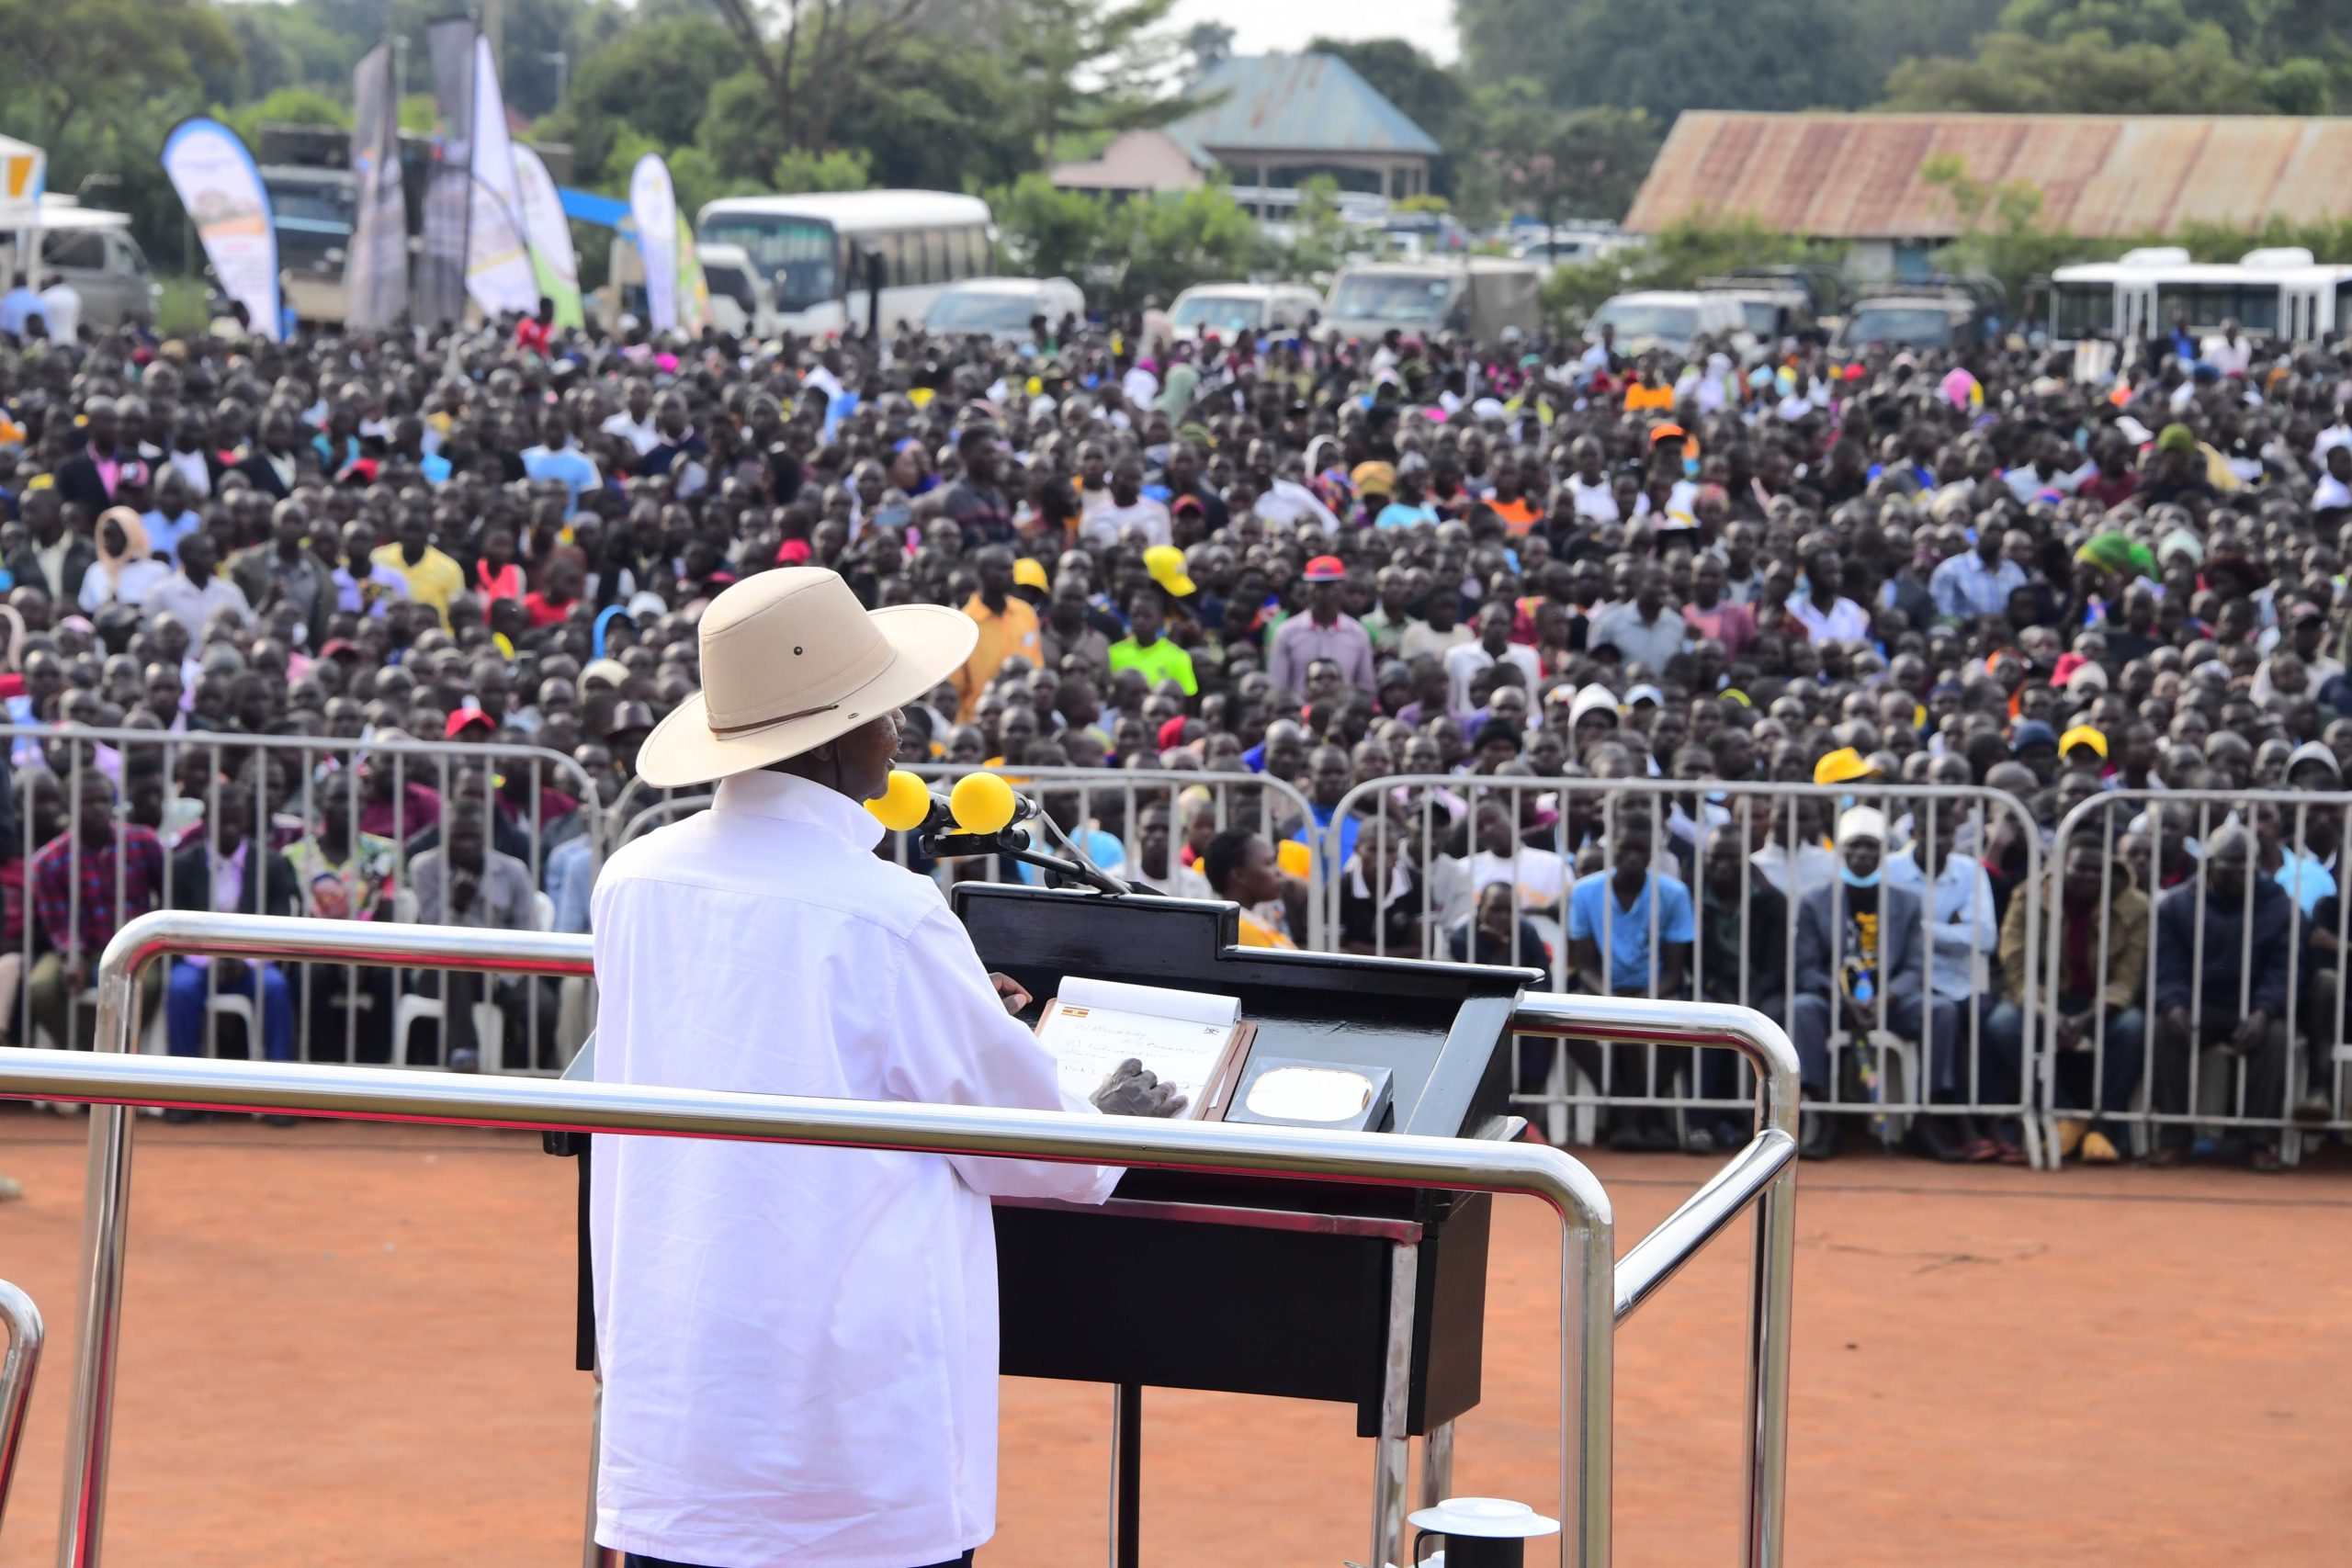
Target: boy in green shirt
[[1144, 648]]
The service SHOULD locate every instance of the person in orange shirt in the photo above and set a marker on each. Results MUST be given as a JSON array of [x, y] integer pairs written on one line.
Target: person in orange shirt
[[1511, 503], [1240, 865], [1649, 393], [1008, 630]]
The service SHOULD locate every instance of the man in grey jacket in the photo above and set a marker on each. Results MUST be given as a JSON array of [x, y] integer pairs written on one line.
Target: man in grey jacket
[[1861, 965]]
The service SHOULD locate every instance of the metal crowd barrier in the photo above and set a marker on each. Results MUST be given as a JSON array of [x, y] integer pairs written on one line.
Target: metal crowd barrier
[[1402, 870], [2134, 1067], [380, 796], [1597, 1290]]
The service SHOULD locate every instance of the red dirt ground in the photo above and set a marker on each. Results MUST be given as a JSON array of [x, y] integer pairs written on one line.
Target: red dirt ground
[[351, 1345]]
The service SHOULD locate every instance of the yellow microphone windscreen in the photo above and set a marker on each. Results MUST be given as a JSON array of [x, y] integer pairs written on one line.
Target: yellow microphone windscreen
[[903, 803], [983, 804]]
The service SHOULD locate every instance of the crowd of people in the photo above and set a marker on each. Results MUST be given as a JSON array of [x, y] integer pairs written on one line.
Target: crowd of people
[[1505, 566]]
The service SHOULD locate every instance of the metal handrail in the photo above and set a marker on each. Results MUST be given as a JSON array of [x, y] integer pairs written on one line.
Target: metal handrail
[[1765, 1171], [1593, 1300], [112, 1077], [16, 1369]]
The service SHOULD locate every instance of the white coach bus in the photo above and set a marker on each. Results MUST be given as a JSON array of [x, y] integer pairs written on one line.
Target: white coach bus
[[816, 250], [2275, 293]]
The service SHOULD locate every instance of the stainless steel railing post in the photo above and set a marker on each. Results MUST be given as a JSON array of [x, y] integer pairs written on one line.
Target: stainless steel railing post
[[1768, 1162], [16, 1369]]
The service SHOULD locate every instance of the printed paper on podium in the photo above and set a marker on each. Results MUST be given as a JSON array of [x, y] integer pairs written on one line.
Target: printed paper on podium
[[1190, 1039]]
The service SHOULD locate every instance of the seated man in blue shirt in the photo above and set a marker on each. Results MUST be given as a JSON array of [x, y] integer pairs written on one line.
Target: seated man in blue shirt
[[1619, 908]]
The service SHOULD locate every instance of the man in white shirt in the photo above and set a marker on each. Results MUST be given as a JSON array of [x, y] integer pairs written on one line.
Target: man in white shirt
[[61, 309], [1824, 616], [634, 424], [193, 594], [1493, 647], [1130, 508], [799, 1346]]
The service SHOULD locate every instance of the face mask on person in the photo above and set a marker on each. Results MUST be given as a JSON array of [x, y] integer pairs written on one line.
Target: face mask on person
[[1691, 467], [1855, 879]]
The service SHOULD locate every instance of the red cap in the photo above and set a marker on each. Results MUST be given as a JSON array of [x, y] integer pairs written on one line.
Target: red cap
[[1327, 568], [1172, 733], [464, 719], [337, 646], [1661, 432], [792, 552]]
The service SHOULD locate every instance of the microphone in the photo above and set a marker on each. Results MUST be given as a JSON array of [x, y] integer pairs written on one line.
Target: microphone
[[981, 804], [984, 805], [907, 804]]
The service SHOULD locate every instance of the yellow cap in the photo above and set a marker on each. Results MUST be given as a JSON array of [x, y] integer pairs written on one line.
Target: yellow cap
[[1294, 859], [1027, 573], [1842, 766], [2082, 735], [1165, 564]]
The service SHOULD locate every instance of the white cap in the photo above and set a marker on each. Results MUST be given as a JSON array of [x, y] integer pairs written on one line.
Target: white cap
[[1861, 822]]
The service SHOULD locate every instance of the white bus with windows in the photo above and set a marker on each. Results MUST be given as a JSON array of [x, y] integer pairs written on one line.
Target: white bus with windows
[[2280, 292], [816, 251]]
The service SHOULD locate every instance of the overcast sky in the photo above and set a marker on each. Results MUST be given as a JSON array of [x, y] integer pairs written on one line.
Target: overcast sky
[[1264, 26]]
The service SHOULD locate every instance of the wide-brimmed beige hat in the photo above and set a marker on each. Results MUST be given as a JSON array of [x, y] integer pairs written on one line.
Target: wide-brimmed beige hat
[[790, 660]]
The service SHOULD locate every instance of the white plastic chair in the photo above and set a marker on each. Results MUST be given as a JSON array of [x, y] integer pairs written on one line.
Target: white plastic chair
[[413, 1008]]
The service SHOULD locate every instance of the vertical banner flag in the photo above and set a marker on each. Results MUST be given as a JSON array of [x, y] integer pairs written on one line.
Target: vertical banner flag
[[220, 186], [654, 207], [694, 289], [498, 257], [553, 261], [376, 274], [448, 191]]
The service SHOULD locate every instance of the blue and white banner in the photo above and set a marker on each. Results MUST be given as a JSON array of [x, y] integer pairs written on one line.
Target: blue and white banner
[[654, 207], [219, 185]]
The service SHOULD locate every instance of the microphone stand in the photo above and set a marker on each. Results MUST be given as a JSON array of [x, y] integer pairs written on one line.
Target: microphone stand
[[949, 845]]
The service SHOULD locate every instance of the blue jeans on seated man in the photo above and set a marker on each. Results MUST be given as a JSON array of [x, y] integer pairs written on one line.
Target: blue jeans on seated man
[[634, 1560], [2126, 1031], [1943, 1056], [192, 984]]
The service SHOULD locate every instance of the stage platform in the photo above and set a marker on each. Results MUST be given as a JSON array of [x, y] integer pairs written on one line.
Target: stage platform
[[350, 1345]]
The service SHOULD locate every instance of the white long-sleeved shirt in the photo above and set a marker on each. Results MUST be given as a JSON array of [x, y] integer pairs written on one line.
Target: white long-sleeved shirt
[[1961, 933], [799, 1345]]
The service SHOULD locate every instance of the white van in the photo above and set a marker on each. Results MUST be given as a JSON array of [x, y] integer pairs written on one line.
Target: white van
[[1230, 310], [1001, 307], [742, 303], [1673, 319], [95, 253]]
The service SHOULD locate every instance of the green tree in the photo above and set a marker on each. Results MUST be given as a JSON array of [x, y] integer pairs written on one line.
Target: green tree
[[1320, 237], [1090, 65], [1550, 163], [840, 169], [72, 66], [1154, 247], [1666, 56], [1046, 231], [2088, 72], [286, 106], [1210, 44], [656, 79]]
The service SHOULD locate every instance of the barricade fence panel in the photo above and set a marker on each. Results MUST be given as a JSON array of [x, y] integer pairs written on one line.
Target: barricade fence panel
[[1911, 990], [2204, 1001], [1698, 889], [112, 823]]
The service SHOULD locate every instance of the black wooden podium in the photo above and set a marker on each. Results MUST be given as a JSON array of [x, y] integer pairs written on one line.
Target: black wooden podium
[[1369, 1296]]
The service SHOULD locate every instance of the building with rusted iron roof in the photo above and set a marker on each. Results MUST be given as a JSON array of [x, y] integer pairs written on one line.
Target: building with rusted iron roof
[[1857, 176]]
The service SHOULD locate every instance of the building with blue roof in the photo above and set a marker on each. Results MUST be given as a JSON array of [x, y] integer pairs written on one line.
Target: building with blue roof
[[1271, 121]]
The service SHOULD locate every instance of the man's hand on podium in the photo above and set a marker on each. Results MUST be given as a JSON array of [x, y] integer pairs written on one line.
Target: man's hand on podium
[[1133, 1090], [1009, 990]]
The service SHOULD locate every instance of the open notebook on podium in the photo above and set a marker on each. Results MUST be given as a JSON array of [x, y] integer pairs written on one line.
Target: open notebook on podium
[[1190, 1039]]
